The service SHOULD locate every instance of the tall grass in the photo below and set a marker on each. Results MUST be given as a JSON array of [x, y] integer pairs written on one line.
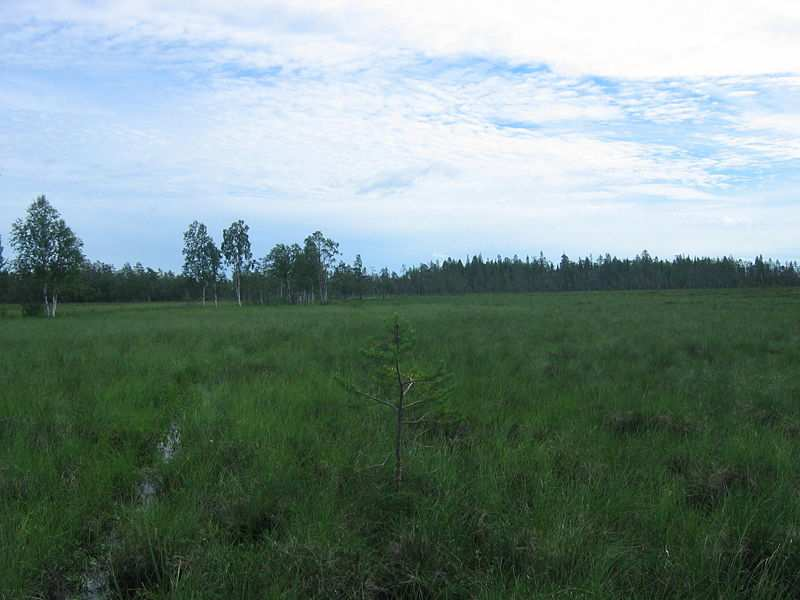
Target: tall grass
[[611, 445]]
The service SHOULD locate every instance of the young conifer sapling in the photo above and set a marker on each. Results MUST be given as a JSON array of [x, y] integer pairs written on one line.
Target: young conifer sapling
[[391, 378]]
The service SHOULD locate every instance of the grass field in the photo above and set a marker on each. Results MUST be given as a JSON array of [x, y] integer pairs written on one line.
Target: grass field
[[604, 445]]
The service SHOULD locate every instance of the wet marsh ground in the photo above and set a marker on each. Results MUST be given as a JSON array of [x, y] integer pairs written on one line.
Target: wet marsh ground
[[603, 445]]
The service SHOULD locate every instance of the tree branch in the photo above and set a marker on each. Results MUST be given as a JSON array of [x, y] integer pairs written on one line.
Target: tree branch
[[374, 398], [412, 404]]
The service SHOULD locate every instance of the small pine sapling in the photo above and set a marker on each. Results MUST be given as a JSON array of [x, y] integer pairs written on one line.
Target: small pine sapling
[[390, 376]]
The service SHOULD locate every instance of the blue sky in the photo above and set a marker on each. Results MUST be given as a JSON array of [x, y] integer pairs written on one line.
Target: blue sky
[[407, 131]]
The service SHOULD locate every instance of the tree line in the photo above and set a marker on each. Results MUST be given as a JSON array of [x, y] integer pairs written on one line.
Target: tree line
[[49, 266]]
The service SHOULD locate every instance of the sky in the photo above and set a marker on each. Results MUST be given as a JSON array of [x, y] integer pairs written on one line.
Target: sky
[[407, 130]]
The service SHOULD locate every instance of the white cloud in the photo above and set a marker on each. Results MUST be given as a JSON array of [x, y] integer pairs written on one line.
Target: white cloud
[[787, 124], [574, 121], [621, 38]]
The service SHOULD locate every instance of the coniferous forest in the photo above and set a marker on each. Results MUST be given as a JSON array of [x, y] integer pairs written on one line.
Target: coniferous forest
[[314, 271]]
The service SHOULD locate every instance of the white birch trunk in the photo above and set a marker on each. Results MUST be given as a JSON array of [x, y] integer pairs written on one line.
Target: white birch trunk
[[46, 302]]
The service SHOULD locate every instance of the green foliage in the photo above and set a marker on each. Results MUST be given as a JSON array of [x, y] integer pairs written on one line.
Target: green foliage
[[281, 265], [393, 350], [301, 274], [390, 379], [605, 445], [47, 251], [202, 258], [321, 252], [236, 246], [309, 273], [236, 250], [44, 245]]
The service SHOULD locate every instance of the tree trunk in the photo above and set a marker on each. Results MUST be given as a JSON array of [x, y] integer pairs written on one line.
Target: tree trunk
[[216, 302], [323, 295], [398, 446], [204, 294], [46, 302], [398, 443], [55, 304], [239, 289]]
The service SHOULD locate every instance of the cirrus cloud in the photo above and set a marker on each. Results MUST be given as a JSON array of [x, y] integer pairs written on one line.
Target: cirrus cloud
[[562, 127]]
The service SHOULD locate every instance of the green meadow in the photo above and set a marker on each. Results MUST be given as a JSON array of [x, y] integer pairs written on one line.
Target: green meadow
[[595, 445]]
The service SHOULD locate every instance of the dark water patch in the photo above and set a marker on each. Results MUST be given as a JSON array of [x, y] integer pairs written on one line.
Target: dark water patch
[[139, 570], [95, 582], [248, 519], [148, 487], [151, 483], [170, 443], [52, 583], [129, 572]]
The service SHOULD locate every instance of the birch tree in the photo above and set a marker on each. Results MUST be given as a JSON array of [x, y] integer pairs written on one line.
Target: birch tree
[[201, 258], [237, 253], [325, 251], [215, 263], [2, 260], [279, 263], [47, 250]]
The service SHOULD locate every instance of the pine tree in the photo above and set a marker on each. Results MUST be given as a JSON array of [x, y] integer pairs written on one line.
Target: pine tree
[[390, 375]]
